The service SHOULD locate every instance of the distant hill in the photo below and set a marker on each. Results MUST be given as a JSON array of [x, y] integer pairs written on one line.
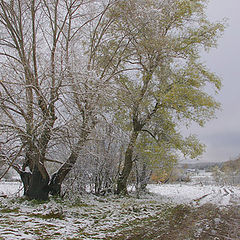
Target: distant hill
[[232, 165], [201, 165]]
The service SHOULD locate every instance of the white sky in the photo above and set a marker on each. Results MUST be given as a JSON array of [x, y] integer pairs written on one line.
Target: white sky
[[222, 136]]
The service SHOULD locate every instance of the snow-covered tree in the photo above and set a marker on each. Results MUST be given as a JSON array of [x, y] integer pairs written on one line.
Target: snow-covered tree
[[161, 81]]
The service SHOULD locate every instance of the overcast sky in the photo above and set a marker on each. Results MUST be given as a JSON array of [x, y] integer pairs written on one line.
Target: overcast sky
[[222, 136]]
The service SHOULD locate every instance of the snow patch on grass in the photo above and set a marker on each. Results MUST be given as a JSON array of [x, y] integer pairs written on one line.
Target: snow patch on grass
[[91, 217]]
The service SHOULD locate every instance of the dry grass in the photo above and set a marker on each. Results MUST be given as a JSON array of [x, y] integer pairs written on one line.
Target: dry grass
[[207, 222], [112, 218]]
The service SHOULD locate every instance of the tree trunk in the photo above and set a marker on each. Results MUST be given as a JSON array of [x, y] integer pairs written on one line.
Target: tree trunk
[[59, 176], [127, 168], [35, 184], [25, 177], [144, 178]]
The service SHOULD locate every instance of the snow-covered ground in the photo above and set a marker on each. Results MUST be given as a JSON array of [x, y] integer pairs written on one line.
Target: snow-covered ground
[[11, 188], [200, 190], [92, 217], [197, 194]]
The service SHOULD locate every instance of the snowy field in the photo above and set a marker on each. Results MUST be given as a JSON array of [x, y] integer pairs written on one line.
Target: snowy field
[[194, 192], [181, 193], [91, 217], [11, 189], [197, 194]]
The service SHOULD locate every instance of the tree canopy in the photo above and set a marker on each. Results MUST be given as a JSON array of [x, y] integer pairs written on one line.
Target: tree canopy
[[162, 81]]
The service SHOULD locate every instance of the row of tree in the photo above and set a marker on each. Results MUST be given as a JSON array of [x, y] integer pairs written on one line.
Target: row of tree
[[102, 84]]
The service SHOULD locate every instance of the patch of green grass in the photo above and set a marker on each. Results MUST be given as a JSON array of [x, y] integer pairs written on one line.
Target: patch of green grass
[[38, 231], [164, 218], [177, 213], [9, 210], [80, 203], [73, 238], [43, 231], [35, 202], [48, 216], [49, 225], [58, 199], [24, 199], [18, 200], [84, 214]]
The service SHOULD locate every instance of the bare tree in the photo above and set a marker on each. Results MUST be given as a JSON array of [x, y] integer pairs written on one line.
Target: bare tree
[[48, 94]]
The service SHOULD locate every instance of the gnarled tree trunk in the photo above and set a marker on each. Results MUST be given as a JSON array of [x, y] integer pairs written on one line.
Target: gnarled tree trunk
[[37, 185]]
